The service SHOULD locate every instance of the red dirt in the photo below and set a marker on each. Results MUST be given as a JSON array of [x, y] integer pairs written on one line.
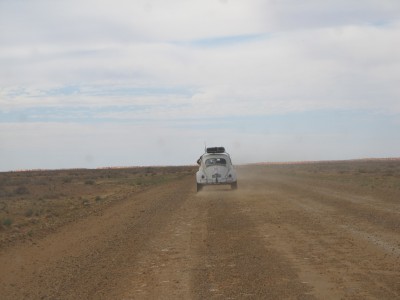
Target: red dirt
[[286, 233]]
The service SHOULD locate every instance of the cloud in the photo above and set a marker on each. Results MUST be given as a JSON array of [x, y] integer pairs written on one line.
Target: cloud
[[291, 15], [162, 67], [291, 71], [92, 21]]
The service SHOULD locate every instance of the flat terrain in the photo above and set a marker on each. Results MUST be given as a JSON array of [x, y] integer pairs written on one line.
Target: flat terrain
[[295, 231]]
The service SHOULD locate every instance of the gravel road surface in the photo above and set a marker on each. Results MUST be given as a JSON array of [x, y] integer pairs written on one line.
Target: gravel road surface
[[276, 237]]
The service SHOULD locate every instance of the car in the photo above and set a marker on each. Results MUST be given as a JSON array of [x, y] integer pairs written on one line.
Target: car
[[215, 168]]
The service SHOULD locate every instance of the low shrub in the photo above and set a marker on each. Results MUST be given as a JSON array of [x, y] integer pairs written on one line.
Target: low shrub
[[29, 213], [67, 180], [21, 190], [7, 222]]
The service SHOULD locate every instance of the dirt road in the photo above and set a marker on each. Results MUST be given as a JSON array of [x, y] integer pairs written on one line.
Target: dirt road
[[277, 237]]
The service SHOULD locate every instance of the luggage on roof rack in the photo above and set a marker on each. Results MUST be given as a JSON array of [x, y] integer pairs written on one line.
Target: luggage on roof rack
[[216, 150]]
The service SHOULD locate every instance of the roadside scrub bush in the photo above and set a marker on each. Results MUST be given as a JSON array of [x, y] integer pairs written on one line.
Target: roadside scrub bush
[[67, 180], [21, 190], [29, 213], [7, 222], [3, 206]]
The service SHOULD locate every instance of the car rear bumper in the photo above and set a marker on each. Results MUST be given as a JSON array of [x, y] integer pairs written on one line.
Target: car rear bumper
[[220, 181]]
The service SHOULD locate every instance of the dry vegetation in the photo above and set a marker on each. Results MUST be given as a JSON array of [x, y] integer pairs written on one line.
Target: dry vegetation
[[32, 203]]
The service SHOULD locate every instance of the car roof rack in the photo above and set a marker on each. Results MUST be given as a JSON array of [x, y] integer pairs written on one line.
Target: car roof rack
[[216, 150]]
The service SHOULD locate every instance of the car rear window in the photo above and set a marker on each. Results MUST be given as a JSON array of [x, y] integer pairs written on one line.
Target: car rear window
[[215, 161]]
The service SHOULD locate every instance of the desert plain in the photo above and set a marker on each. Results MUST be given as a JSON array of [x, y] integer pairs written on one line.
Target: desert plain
[[322, 230]]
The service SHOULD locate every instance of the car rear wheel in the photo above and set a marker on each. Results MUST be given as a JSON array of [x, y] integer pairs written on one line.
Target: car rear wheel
[[199, 187]]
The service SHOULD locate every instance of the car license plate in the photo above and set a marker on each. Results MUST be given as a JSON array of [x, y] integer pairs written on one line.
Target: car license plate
[[216, 176]]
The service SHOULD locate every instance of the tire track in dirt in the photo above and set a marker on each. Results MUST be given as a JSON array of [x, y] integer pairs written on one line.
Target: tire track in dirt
[[370, 209], [308, 228], [164, 270], [236, 261], [372, 221]]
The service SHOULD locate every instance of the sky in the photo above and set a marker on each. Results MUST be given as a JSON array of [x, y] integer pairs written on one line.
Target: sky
[[87, 84]]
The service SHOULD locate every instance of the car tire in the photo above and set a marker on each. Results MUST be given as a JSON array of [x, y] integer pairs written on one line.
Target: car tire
[[234, 186], [199, 187]]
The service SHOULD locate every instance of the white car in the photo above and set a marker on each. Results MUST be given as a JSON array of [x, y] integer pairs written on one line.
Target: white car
[[215, 169]]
